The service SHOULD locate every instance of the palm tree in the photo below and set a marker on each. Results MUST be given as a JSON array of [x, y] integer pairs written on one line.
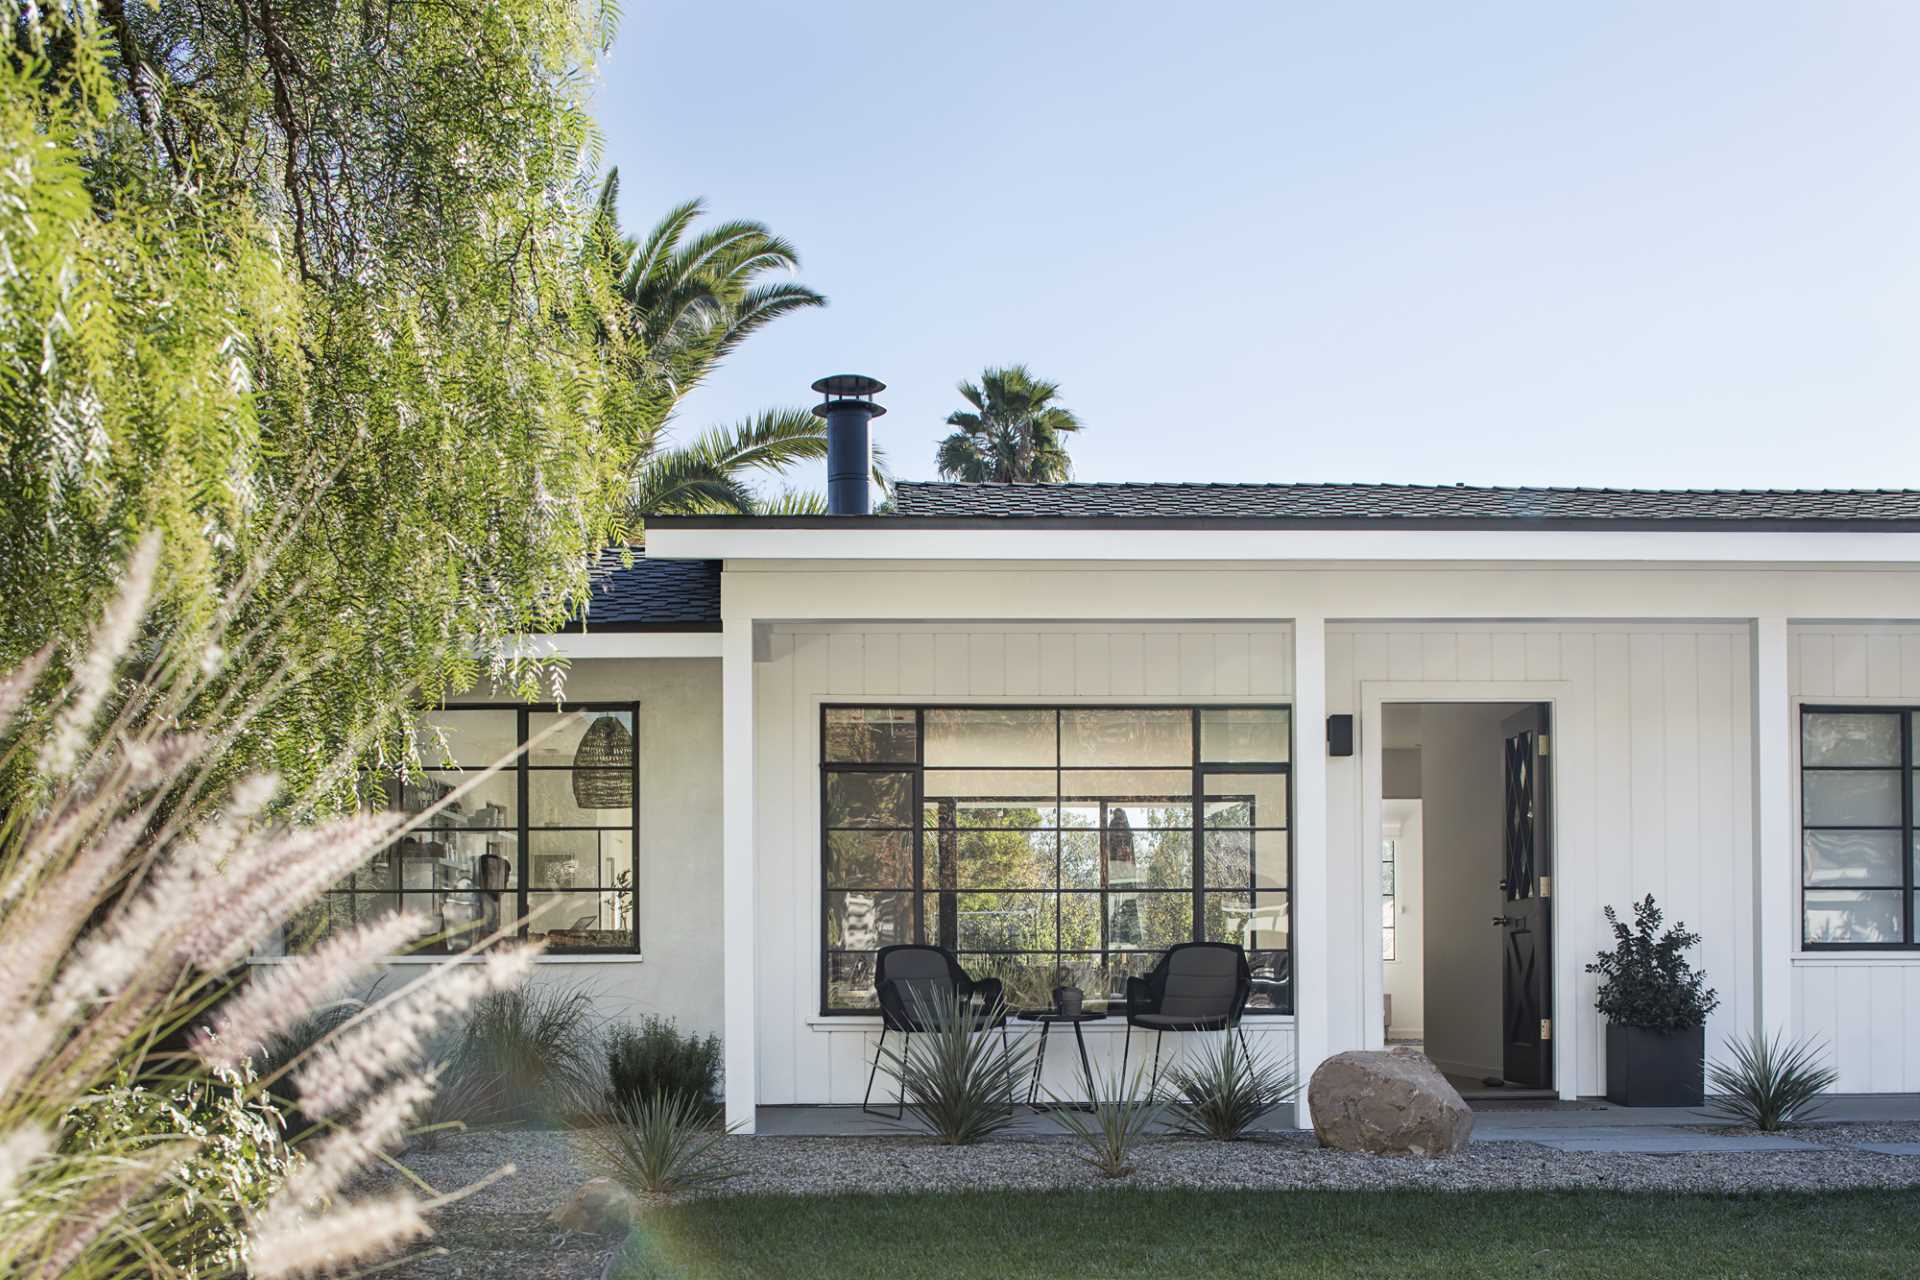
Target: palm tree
[[693, 296], [1014, 433]]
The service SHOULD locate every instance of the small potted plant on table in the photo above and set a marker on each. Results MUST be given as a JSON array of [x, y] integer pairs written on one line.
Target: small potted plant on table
[[1656, 1008]]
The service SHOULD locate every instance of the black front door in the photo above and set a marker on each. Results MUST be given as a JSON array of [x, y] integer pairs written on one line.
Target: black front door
[[1526, 967]]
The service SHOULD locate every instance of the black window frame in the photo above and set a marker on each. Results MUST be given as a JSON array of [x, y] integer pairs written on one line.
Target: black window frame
[[1907, 714], [1198, 888], [523, 827]]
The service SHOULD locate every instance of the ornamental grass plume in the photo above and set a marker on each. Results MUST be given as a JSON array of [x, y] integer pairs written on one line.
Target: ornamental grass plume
[[136, 873]]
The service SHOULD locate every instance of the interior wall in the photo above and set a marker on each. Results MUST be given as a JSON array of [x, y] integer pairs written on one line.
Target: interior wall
[[1405, 973], [1462, 792]]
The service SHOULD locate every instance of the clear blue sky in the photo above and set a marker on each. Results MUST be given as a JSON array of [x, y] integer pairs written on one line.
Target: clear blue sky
[[1659, 244]]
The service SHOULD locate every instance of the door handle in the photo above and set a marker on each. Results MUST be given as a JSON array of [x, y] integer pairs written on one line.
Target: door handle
[[1503, 921]]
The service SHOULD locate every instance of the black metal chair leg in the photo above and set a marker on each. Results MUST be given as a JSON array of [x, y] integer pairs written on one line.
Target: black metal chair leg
[[1126, 1045], [906, 1043], [1153, 1087], [878, 1053]]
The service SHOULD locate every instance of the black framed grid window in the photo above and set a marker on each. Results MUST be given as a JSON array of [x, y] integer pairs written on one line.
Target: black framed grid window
[[1857, 789], [549, 840], [1049, 846]]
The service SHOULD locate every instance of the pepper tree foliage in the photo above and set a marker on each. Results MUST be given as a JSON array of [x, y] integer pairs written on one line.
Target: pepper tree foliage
[[314, 290], [1646, 981]]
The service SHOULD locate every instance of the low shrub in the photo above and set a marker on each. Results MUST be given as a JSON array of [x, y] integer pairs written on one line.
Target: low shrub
[[527, 1055], [664, 1143], [1118, 1116], [958, 1078], [1769, 1083], [1222, 1089], [1646, 981], [657, 1058]]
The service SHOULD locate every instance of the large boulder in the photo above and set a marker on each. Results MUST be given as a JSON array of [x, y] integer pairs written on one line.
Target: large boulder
[[600, 1206], [1393, 1103]]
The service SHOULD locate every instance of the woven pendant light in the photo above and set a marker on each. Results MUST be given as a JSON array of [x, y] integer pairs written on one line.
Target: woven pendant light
[[607, 748]]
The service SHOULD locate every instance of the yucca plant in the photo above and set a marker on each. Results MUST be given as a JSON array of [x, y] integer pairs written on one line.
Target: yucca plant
[[958, 1077], [1223, 1088], [660, 1144], [1118, 1115], [1769, 1082], [529, 1054]]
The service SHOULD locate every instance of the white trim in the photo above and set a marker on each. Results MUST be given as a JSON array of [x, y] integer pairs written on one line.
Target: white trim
[[1776, 819], [1027, 541], [624, 957], [1309, 829], [737, 925], [1112, 1024], [1563, 697], [618, 644]]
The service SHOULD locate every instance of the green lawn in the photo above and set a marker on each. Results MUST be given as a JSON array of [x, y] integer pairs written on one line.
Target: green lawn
[[1123, 1235]]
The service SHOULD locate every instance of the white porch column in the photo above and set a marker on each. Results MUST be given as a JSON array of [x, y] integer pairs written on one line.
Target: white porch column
[[1311, 956], [1775, 861], [736, 874]]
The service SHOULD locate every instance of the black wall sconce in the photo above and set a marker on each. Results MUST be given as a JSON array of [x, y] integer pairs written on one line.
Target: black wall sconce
[[1339, 735]]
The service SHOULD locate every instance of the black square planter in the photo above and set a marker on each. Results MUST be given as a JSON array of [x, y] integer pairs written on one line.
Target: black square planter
[[1656, 1068]]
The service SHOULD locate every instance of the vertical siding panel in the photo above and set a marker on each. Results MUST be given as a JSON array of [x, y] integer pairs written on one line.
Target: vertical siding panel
[[1342, 689], [1404, 660], [1509, 655], [1476, 655], [950, 667], [883, 665], [1230, 672], [1163, 662], [1092, 663], [1740, 695], [1889, 1027], [1883, 666], [1910, 664], [1719, 870], [1269, 664], [1853, 1010], [1910, 1059], [1543, 655], [847, 658], [1370, 660], [1647, 725], [1439, 656], [987, 664], [1283, 638], [1056, 662], [1196, 663], [1849, 665], [1680, 683], [1127, 664], [1613, 813], [1820, 1014], [1023, 664], [1816, 664], [1794, 687], [916, 664]]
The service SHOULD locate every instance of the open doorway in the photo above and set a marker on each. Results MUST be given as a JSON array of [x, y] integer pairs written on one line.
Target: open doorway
[[1465, 883]]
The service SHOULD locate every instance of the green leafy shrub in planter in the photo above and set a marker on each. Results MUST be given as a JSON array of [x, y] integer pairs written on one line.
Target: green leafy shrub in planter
[[656, 1059], [1645, 981], [1769, 1083], [232, 1158]]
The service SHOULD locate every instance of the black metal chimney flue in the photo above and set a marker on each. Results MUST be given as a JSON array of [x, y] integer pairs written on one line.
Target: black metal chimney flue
[[848, 407]]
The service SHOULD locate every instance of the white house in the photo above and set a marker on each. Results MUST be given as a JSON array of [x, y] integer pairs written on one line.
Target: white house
[[1060, 727]]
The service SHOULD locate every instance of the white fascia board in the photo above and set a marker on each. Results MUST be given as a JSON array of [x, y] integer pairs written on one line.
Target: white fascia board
[[1150, 543], [574, 645]]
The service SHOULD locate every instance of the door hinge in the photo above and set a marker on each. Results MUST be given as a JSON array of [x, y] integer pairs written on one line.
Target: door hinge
[[1544, 743], [1546, 1028], [1546, 887]]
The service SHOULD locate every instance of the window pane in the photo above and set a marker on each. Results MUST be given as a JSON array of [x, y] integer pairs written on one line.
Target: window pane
[[1865, 799], [868, 921], [1083, 788], [870, 859], [1002, 737], [474, 739], [1834, 915], [1150, 859], [1256, 921], [580, 797], [989, 798], [1004, 921], [869, 735], [1864, 858], [1080, 859], [1126, 737], [1154, 920], [869, 800], [591, 738], [493, 801], [993, 859], [1849, 738], [1236, 858], [1246, 799], [1080, 922], [850, 981], [601, 921], [1225, 916], [1027, 982], [580, 859], [1272, 981], [1243, 734]]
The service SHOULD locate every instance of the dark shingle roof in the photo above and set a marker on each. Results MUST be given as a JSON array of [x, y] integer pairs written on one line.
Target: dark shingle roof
[[654, 595], [1370, 503]]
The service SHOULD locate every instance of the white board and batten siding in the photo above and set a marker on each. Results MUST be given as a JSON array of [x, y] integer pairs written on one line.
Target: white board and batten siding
[[1652, 790], [806, 1058], [1865, 1006]]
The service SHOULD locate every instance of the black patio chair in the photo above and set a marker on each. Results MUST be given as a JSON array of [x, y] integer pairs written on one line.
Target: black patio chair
[[913, 982], [1197, 986]]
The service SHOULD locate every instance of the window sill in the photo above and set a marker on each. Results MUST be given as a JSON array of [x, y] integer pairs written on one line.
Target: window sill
[[1895, 955], [1110, 1025], [622, 958]]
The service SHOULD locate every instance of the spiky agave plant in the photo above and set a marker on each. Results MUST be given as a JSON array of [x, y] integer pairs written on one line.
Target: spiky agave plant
[[1118, 1116], [662, 1143], [958, 1076], [135, 880], [1770, 1081], [1222, 1089]]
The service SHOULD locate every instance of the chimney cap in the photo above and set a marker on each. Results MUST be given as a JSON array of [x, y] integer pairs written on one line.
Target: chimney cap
[[848, 384]]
